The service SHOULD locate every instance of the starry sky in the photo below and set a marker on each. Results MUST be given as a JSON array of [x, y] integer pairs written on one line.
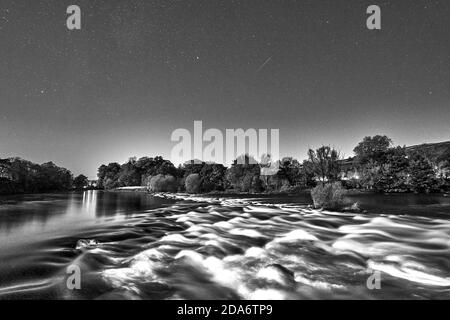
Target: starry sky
[[139, 69]]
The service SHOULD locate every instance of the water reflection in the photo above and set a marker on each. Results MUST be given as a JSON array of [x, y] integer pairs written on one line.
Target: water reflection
[[429, 205], [30, 211], [109, 204], [30, 218]]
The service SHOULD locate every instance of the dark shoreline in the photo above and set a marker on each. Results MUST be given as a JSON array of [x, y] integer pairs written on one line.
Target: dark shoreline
[[349, 192]]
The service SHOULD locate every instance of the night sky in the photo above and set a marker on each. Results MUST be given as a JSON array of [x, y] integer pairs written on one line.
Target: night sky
[[137, 70]]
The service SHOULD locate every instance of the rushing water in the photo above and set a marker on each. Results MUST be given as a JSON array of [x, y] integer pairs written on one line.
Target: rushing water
[[133, 246]]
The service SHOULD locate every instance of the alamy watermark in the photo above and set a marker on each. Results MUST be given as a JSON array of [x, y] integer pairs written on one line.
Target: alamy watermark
[[374, 280], [215, 146], [73, 21], [73, 281]]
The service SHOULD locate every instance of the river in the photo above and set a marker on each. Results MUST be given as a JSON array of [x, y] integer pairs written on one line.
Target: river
[[130, 245]]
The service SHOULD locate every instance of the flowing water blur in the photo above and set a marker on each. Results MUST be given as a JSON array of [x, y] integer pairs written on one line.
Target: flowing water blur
[[136, 246]]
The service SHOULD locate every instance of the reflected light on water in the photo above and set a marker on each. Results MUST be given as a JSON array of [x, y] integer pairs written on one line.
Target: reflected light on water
[[90, 201]]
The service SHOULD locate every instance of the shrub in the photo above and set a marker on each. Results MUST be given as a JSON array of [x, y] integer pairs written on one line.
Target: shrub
[[109, 184], [256, 185], [162, 183], [351, 184], [422, 175], [285, 186], [328, 196], [193, 183]]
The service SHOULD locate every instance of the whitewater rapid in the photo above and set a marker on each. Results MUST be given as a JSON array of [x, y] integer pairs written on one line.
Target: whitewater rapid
[[228, 248], [245, 249]]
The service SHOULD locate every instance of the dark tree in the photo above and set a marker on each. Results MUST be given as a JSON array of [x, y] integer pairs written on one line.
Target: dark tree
[[22, 176], [393, 173], [108, 175], [325, 163], [135, 172], [80, 182], [243, 175], [213, 177], [422, 174], [129, 174], [291, 170], [372, 149]]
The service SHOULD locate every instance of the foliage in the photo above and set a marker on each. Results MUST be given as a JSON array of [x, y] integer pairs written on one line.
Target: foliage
[[393, 175], [135, 172], [389, 169], [154, 166], [213, 177], [324, 163], [244, 175], [351, 184], [108, 175], [379, 166], [328, 195], [9, 187], [80, 182], [22, 176], [308, 175], [371, 149], [370, 174], [129, 174], [162, 183], [291, 171], [422, 175], [193, 183]]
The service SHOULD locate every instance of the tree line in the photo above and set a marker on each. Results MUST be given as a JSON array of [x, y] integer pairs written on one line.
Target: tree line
[[22, 176], [386, 168], [377, 165]]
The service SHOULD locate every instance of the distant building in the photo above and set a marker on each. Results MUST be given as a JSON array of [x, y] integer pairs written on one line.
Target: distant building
[[437, 153], [92, 183], [442, 171], [348, 170]]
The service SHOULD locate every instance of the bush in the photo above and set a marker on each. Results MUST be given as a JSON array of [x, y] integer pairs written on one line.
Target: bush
[[109, 184], [162, 183], [285, 186], [328, 196], [193, 183], [422, 175], [351, 184]]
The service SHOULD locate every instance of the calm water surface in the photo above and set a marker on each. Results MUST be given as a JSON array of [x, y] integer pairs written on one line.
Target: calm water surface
[[136, 246]]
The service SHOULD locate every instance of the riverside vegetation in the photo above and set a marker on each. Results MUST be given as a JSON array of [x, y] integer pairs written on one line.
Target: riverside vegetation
[[376, 166], [19, 176]]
